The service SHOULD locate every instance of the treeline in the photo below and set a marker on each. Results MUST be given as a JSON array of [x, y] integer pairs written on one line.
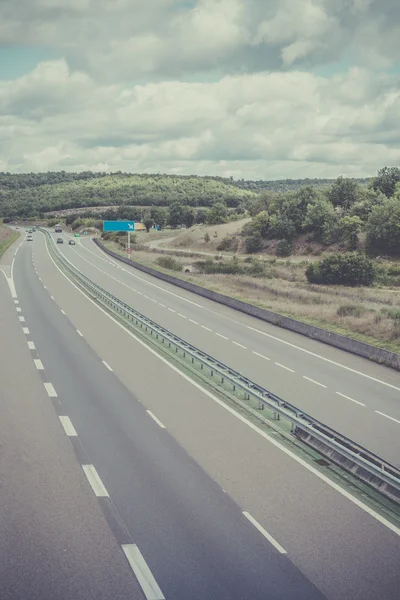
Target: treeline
[[337, 214]]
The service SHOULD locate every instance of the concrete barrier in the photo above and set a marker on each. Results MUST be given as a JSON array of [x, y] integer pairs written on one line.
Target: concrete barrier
[[379, 355]]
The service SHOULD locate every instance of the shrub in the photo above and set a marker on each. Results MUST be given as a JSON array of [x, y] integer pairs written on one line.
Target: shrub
[[254, 243], [227, 243], [168, 262], [207, 237], [284, 248], [351, 268], [351, 310]]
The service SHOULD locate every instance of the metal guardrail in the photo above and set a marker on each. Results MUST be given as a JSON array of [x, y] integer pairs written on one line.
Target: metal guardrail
[[371, 468]]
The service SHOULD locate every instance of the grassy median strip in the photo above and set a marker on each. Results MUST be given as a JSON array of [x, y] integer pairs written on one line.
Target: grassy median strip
[[7, 237]]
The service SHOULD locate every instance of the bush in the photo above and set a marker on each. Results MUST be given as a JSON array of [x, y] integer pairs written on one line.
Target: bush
[[284, 248], [233, 267], [228, 243], [168, 262], [351, 268], [351, 310], [207, 237], [254, 243]]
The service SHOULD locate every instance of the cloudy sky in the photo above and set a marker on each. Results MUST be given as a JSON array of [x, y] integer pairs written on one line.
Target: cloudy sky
[[259, 89]]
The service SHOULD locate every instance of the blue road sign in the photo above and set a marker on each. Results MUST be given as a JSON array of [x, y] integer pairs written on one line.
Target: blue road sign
[[118, 226]]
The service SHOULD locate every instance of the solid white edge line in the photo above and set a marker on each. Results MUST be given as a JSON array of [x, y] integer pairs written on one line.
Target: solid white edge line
[[240, 345], [107, 365], [316, 382], [264, 533], [94, 479], [153, 416], [25, 330], [31, 345], [78, 332], [351, 399], [387, 416], [38, 364], [241, 418], [142, 572], [261, 355], [50, 390], [68, 427], [284, 367], [332, 362]]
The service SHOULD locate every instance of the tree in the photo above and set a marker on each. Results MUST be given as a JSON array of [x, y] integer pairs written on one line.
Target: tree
[[321, 220], [159, 216], [350, 227], [386, 180], [260, 223], [344, 193], [175, 214], [188, 216], [218, 214], [254, 243], [351, 268], [202, 215], [148, 223], [383, 228]]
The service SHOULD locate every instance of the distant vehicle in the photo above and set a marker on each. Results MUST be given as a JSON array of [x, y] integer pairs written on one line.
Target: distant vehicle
[[58, 229], [16, 227], [71, 243], [30, 231], [60, 241], [77, 235], [29, 238]]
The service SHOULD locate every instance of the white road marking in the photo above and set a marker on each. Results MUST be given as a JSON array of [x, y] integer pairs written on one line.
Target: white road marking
[[195, 322], [153, 416], [152, 299], [31, 345], [68, 427], [40, 279], [16, 301], [45, 287], [351, 399], [143, 574], [332, 362], [222, 336], [62, 312], [241, 418], [171, 310], [38, 364], [52, 297], [79, 333], [50, 390], [22, 319], [284, 367], [183, 316], [206, 328], [313, 381], [387, 416], [240, 345], [261, 355], [19, 309], [163, 305], [264, 532], [25, 330], [107, 365], [146, 296], [95, 481]]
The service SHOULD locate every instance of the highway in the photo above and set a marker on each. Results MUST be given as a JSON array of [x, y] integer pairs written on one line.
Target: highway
[[217, 509], [354, 396]]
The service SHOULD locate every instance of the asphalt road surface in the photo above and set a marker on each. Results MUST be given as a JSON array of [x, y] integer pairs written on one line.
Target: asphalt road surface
[[359, 398], [217, 509]]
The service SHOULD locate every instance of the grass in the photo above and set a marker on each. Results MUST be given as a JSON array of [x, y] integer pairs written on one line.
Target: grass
[[370, 315], [7, 237]]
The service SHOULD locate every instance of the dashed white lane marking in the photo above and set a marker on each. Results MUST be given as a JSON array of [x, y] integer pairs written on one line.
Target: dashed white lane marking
[[261, 355], [233, 412], [183, 316], [68, 427], [222, 336], [16, 301], [25, 330], [152, 299], [50, 390], [387, 416], [172, 310], [264, 533], [63, 312], [31, 345], [153, 416], [163, 305], [284, 367], [52, 297], [206, 328], [79, 333], [40, 279], [19, 309], [313, 381], [143, 574], [192, 321], [22, 319], [240, 345], [351, 399], [38, 364], [146, 296], [106, 365], [95, 481]]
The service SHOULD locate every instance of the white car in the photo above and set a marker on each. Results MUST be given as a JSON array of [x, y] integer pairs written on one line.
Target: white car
[[29, 238]]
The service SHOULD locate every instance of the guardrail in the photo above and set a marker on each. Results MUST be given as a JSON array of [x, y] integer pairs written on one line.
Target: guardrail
[[365, 465]]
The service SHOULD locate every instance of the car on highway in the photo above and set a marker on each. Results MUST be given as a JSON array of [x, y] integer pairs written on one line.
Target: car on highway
[[29, 238], [71, 243], [60, 241]]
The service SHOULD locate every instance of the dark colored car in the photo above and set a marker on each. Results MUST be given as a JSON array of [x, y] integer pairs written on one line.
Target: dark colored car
[[60, 241], [71, 242]]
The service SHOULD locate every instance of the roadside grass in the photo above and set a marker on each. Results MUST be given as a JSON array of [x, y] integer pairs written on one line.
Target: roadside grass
[[7, 237], [370, 315]]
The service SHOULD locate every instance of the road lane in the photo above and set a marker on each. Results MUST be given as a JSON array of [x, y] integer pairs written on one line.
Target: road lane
[[333, 395], [54, 541], [336, 544]]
